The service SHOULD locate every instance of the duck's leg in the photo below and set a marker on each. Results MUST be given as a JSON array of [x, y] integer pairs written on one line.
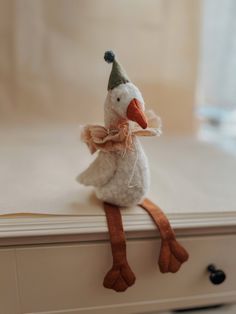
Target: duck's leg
[[120, 276], [172, 254]]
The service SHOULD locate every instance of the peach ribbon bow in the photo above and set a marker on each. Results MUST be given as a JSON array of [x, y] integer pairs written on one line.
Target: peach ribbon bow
[[119, 138]]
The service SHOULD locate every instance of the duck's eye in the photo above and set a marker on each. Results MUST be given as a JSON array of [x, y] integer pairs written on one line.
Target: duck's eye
[[118, 99]]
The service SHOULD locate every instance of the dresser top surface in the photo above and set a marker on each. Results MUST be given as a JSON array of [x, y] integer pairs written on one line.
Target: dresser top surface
[[38, 165]]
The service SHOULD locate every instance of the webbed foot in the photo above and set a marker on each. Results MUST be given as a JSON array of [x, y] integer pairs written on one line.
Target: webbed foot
[[119, 278], [172, 256]]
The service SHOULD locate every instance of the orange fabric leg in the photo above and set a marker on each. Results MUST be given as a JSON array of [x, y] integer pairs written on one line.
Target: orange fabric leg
[[120, 276], [172, 254]]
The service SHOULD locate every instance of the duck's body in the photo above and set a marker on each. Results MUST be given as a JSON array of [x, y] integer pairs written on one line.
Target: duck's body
[[120, 177], [129, 176]]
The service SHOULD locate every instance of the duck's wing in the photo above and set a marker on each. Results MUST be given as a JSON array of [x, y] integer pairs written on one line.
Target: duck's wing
[[100, 171]]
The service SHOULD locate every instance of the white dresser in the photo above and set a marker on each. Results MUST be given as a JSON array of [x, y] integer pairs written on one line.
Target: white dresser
[[54, 264]]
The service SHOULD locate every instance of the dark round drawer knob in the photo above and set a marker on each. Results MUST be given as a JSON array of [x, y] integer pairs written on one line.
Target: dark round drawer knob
[[217, 276]]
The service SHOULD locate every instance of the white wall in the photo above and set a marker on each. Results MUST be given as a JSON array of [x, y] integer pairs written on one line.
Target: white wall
[[51, 57]]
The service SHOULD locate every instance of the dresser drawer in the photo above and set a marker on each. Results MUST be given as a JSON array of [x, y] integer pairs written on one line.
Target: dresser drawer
[[69, 277], [9, 302]]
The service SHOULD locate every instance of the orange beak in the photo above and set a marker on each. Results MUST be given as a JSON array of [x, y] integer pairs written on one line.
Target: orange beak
[[135, 113]]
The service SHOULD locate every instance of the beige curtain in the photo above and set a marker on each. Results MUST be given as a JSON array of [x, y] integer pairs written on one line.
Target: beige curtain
[[51, 57], [218, 55]]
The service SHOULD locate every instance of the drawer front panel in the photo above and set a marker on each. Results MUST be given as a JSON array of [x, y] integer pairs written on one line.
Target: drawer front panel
[[66, 277], [9, 303]]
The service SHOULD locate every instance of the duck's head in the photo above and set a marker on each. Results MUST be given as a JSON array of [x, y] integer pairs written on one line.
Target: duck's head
[[124, 100]]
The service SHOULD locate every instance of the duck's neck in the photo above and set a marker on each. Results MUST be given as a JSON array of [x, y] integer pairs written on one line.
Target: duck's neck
[[111, 118], [112, 121]]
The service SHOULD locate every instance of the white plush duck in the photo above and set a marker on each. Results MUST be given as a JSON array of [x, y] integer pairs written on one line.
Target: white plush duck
[[120, 173]]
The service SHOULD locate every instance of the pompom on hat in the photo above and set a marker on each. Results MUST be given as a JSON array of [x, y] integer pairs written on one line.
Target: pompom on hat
[[118, 75]]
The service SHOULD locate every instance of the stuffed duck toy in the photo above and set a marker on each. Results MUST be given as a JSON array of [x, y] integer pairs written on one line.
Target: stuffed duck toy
[[120, 173]]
